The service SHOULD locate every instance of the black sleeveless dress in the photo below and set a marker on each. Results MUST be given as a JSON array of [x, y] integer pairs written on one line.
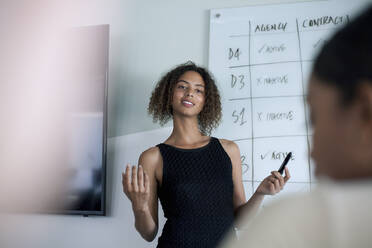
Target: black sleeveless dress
[[196, 195]]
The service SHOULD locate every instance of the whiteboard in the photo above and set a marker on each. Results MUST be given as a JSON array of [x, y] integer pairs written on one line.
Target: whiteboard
[[261, 58]]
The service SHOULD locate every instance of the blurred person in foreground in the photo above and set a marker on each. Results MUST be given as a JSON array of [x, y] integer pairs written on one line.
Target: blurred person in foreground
[[338, 212]]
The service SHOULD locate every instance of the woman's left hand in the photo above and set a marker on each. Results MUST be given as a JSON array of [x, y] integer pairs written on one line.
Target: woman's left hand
[[273, 183]]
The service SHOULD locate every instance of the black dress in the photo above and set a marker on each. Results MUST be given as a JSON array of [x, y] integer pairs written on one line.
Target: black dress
[[196, 195]]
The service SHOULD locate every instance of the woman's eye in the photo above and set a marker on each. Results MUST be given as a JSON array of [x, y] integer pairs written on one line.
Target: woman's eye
[[181, 87], [199, 91]]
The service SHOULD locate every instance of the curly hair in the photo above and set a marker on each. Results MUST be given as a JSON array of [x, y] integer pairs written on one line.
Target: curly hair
[[160, 105]]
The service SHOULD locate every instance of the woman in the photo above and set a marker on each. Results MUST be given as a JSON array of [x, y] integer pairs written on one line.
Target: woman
[[197, 178]]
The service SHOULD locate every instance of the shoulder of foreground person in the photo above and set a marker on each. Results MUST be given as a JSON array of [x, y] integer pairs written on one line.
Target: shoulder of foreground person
[[283, 223], [326, 217]]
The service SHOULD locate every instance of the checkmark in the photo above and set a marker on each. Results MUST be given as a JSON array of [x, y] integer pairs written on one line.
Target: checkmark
[[320, 41], [264, 156], [260, 50]]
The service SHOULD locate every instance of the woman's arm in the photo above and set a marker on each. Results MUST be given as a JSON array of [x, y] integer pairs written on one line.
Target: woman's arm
[[141, 189], [240, 204], [269, 186]]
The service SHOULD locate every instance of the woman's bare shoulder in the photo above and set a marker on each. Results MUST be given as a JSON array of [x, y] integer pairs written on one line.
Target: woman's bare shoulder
[[150, 157], [232, 150], [229, 144]]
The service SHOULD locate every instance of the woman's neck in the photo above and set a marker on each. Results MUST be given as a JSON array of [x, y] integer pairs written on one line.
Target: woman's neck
[[185, 131]]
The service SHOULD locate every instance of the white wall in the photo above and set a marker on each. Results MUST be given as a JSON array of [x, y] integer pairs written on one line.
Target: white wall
[[147, 39]]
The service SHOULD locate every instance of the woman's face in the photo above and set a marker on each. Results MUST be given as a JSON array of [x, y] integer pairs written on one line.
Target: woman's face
[[342, 139], [189, 94]]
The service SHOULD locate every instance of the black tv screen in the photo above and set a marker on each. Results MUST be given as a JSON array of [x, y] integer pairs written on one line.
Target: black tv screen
[[53, 96], [85, 67]]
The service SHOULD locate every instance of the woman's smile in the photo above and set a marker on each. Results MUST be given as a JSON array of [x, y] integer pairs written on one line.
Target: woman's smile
[[187, 104]]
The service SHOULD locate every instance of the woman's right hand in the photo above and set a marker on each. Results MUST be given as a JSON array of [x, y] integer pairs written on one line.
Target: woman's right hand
[[137, 187]]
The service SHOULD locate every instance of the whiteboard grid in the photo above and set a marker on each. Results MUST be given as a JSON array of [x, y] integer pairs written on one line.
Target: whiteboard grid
[[249, 65], [242, 53]]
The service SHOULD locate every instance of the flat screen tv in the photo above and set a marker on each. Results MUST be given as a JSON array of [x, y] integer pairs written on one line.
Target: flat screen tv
[[85, 76], [54, 120]]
